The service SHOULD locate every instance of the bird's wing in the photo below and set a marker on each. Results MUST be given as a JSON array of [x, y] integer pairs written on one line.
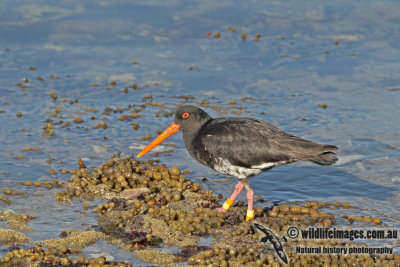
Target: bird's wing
[[260, 227], [250, 142], [244, 142], [270, 236]]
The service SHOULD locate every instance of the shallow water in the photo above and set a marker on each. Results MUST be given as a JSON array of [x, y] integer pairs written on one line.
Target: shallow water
[[339, 53]]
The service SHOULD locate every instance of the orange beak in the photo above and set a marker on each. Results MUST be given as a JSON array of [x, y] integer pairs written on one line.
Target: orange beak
[[173, 128]]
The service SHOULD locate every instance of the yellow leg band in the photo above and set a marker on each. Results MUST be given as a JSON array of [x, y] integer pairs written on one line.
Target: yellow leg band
[[228, 203], [249, 215]]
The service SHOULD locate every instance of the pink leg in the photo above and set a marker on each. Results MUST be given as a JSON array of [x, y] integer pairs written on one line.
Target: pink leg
[[250, 198], [238, 188]]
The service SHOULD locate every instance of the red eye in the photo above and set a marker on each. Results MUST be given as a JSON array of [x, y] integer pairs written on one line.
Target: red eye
[[185, 115]]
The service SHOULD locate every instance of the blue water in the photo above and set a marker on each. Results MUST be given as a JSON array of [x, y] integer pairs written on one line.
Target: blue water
[[341, 53]]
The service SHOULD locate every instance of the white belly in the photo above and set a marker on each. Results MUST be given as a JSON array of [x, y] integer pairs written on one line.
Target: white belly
[[224, 166]]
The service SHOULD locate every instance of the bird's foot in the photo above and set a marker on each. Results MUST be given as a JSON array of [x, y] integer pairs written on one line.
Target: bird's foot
[[221, 209], [249, 215], [228, 203]]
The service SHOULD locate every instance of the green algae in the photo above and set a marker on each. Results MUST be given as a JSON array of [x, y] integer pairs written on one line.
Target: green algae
[[75, 240], [147, 200], [16, 221], [10, 237], [156, 257]]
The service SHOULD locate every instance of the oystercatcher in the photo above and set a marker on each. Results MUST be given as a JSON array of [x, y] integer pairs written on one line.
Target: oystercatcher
[[241, 147]]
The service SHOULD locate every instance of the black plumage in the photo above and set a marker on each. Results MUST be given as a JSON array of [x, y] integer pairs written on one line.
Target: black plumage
[[245, 142]]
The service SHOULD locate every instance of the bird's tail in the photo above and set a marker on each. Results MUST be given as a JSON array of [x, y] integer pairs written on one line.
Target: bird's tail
[[326, 158]]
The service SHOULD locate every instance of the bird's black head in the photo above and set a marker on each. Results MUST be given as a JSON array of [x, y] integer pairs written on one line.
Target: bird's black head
[[190, 118]]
